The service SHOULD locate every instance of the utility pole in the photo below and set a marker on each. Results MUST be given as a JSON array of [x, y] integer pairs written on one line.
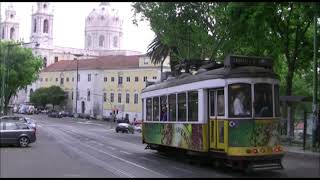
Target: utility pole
[[315, 83], [77, 79]]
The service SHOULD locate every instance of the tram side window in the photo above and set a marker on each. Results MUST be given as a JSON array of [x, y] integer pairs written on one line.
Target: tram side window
[[220, 102], [212, 111], [163, 108], [149, 109], [240, 100], [276, 100], [172, 107], [156, 109], [182, 107], [263, 100], [193, 106]]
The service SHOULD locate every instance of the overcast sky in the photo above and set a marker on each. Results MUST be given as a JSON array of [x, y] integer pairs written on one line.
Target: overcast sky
[[69, 23]]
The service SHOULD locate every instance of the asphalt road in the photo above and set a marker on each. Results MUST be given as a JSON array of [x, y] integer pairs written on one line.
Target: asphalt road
[[81, 148]]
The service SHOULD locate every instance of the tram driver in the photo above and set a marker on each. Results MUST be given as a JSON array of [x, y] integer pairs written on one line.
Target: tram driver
[[238, 105]]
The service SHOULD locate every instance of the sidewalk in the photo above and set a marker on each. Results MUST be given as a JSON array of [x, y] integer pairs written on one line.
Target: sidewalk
[[300, 151]]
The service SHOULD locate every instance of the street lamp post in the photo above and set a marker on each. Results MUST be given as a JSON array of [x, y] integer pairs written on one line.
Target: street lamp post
[[2, 110], [77, 93]]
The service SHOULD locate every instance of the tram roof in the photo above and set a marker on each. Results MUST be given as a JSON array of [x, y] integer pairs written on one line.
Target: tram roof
[[220, 73]]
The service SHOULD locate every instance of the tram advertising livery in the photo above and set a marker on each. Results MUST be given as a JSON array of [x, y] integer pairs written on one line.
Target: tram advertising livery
[[228, 112]]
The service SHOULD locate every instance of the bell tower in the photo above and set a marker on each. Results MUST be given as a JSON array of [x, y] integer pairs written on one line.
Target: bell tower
[[42, 25], [10, 26]]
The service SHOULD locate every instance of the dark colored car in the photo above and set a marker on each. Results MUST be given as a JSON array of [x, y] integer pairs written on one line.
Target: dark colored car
[[16, 133], [125, 128], [29, 121], [54, 114]]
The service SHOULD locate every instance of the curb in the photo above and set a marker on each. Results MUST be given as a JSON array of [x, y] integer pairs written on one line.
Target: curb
[[302, 154]]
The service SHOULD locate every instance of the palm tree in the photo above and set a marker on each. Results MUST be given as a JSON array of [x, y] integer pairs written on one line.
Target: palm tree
[[158, 51]]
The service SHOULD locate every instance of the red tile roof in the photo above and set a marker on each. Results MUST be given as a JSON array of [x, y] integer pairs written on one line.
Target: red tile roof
[[106, 62]]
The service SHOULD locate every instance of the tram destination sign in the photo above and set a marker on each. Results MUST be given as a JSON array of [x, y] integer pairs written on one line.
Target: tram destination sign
[[234, 61]]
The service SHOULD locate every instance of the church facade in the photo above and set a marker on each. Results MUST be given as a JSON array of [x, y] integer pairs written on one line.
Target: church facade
[[103, 38]]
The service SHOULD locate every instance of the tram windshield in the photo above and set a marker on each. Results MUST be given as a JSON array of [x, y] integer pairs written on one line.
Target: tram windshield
[[240, 100], [263, 100]]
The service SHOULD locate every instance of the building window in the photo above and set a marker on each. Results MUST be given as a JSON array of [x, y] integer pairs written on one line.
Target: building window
[[105, 79], [57, 79], [12, 30], [72, 79], [45, 26], [41, 79], [46, 79], [78, 77], [72, 95], [67, 79], [112, 79], [127, 98], [56, 59], [88, 95], [115, 41], [45, 62], [61, 81], [105, 97], [111, 97], [119, 80], [136, 79], [34, 25], [101, 41], [89, 77], [135, 98], [128, 79], [144, 78], [89, 41], [154, 77], [119, 97]]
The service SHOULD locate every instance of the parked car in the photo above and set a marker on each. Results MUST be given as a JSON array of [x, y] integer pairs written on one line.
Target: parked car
[[54, 114], [32, 123], [123, 120], [16, 133], [125, 128], [138, 128]]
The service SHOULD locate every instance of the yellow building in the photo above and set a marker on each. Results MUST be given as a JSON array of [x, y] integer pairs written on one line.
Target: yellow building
[[110, 84]]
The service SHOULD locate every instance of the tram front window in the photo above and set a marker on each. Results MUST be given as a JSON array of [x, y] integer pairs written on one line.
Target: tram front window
[[263, 100], [240, 100]]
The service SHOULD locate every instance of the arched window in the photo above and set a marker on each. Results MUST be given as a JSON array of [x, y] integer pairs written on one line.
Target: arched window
[[89, 40], [115, 41], [34, 25], [88, 95], [45, 26], [2, 33], [101, 41], [12, 33], [45, 62]]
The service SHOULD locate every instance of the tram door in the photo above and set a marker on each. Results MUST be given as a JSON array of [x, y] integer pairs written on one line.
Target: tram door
[[216, 119]]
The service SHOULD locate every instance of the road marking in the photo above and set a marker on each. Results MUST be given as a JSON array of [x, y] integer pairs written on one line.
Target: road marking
[[180, 169], [125, 152], [151, 160], [112, 148]]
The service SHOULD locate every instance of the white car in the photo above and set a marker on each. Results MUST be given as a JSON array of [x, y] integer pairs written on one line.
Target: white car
[[138, 128]]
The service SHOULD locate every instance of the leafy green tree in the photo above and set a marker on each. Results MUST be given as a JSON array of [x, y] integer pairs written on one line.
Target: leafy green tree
[[56, 96], [40, 97], [21, 68]]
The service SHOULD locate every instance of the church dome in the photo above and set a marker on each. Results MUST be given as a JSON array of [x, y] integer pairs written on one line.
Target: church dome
[[104, 15], [103, 28]]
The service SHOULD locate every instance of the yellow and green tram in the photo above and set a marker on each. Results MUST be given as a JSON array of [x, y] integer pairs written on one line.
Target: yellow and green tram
[[229, 112]]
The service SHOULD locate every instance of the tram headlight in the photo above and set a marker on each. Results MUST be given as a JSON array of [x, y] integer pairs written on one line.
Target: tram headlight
[[262, 150], [255, 151]]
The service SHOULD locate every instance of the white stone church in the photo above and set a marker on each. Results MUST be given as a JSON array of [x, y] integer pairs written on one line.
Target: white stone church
[[103, 37]]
